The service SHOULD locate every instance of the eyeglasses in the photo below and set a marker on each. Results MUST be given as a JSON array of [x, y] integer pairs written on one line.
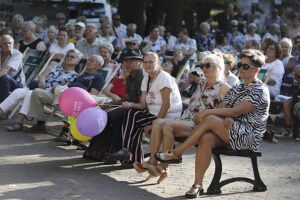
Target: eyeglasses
[[244, 66], [206, 65]]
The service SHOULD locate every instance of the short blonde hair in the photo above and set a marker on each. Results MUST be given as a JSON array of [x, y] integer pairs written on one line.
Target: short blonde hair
[[287, 41], [218, 61], [229, 59]]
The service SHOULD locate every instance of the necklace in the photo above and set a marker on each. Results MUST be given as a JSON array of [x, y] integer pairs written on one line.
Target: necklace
[[150, 81]]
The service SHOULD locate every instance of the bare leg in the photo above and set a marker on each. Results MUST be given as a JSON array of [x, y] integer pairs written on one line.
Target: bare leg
[[210, 123], [156, 138], [175, 128], [207, 142], [287, 110]]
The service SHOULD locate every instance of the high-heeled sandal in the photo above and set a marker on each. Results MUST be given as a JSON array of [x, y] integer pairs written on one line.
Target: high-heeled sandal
[[194, 192], [159, 170], [141, 167], [168, 157]]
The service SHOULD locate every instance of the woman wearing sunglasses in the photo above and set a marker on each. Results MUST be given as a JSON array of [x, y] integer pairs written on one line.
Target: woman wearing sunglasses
[[240, 124], [208, 95]]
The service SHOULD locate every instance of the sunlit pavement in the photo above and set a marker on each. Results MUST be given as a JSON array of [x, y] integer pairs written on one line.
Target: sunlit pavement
[[34, 166]]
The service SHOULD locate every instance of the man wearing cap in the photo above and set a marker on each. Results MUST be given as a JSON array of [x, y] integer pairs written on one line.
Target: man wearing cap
[[131, 36], [133, 64], [79, 31], [90, 44]]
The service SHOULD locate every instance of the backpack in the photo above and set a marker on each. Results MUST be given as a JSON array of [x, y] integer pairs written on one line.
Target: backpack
[[99, 147]]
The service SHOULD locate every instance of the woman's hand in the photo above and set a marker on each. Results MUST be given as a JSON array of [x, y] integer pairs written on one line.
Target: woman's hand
[[228, 122], [198, 117], [126, 105]]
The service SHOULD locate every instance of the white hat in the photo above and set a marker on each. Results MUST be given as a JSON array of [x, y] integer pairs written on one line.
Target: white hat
[[81, 24]]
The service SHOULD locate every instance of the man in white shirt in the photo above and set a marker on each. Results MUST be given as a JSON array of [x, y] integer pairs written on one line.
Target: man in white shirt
[[11, 72], [90, 44], [187, 44], [119, 30]]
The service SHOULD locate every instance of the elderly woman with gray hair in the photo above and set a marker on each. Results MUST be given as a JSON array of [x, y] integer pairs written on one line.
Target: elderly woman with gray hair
[[251, 33], [44, 93], [204, 39], [208, 95], [106, 51], [30, 40], [240, 123]]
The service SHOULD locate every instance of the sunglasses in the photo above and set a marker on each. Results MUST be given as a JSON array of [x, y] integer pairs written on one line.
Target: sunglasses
[[206, 65], [244, 66]]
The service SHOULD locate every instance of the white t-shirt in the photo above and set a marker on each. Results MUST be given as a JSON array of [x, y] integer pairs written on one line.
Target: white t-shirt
[[275, 71], [154, 98], [55, 48]]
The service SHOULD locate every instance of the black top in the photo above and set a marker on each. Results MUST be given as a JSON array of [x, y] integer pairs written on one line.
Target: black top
[[32, 45], [88, 81], [133, 87]]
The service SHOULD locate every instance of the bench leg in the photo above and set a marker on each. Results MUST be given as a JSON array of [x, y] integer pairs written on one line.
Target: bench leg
[[259, 185], [214, 187]]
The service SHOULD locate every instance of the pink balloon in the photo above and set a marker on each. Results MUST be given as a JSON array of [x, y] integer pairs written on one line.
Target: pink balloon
[[74, 100], [91, 121]]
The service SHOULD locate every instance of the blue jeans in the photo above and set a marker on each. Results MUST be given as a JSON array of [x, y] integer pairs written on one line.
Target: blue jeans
[[7, 85]]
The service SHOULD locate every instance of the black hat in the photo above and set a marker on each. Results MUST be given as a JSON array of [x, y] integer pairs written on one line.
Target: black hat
[[133, 54]]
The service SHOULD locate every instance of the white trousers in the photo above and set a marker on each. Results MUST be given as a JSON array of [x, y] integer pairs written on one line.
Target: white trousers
[[14, 98]]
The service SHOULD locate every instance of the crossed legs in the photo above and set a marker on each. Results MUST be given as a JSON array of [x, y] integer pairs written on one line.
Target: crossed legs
[[212, 124]]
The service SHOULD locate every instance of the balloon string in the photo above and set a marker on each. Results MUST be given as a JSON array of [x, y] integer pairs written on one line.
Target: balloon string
[[109, 105]]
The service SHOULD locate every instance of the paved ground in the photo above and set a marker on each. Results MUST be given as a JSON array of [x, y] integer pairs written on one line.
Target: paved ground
[[33, 166]]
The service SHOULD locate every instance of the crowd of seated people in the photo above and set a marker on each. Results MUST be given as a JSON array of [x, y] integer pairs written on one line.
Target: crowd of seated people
[[166, 84]]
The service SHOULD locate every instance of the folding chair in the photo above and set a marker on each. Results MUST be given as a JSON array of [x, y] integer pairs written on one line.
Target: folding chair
[[35, 63]]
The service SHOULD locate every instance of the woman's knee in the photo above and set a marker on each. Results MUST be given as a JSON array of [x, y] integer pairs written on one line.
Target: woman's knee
[[157, 124], [167, 127], [208, 141]]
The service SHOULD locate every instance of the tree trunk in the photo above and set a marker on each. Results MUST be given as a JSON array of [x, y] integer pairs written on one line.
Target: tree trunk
[[175, 12], [132, 11]]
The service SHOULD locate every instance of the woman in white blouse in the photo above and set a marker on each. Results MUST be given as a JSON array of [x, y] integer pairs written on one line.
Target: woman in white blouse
[[160, 99]]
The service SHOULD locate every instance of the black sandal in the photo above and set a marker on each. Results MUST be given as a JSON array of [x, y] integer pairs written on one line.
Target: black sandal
[[15, 127], [194, 192]]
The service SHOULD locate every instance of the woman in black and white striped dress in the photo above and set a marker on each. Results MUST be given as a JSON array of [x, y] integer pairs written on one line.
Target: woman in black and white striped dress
[[240, 124]]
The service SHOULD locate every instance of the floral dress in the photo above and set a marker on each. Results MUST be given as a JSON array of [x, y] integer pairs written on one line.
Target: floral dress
[[248, 129], [203, 98]]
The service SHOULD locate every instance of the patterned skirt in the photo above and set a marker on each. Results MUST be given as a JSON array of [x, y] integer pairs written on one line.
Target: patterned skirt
[[245, 136]]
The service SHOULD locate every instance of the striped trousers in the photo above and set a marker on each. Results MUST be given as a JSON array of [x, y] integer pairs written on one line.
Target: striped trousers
[[132, 132]]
